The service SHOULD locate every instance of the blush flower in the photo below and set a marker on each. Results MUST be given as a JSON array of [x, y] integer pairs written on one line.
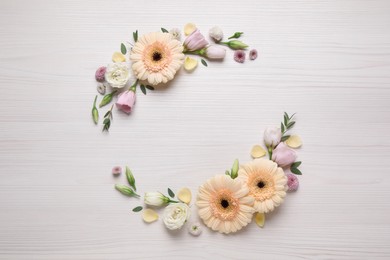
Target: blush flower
[[156, 57], [283, 155], [253, 54], [195, 41], [292, 182], [214, 52], [266, 183], [224, 205], [239, 56], [99, 74], [126, 101]]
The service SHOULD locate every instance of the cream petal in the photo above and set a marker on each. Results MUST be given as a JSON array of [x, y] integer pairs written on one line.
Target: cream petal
[[149, 215], [257, 151], [204, 213], [184, 195], [294, 141], [260, 219]]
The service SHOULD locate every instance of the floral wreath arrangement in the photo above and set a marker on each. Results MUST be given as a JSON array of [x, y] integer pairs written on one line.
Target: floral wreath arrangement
[[154, 59], [228, 202]]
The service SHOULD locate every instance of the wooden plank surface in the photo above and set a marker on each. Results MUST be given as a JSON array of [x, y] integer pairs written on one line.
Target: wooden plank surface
[[328, 61]]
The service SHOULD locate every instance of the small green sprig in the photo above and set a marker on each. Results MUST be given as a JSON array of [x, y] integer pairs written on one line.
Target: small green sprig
[[130, 178], [233, 173], [107, 98], [236, 35], [123, 48], [135, 36], [286, 125], [107, 119], [125, 190], [144, 87], [95, 112], [294, 168]]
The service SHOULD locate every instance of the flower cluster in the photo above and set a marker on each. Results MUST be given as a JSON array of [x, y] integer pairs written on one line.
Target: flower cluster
[[227, 202], [154, 59]]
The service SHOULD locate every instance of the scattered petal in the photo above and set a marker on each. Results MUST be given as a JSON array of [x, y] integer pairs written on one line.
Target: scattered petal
[[184, 195], [253, 54], [149, 215], [260, 219], [116, 171], [118, 57], [257, 151], [195, 229], [294, 141], [190, 63], [101, 88], [189, 28], [239, 56]]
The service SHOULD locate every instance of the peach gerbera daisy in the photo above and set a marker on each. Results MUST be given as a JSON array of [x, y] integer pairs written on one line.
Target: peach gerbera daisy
[[156, 57], [266, 183], [224, 204]]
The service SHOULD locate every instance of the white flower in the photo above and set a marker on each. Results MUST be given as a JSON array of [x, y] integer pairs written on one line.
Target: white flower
[[195, 229], [118, 74], [216, 33], [175, 215], [155, 199], [272, 136], [176, 33]]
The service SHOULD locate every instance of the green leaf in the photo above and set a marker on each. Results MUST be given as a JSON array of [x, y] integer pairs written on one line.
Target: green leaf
[[164, 30], [284, 138], [135, 35], [149, 87], [236, 35], [296, 164], [170, 193], [282, 127], [137, 209], [130, 178], [234, 171], [204, 62], [123, 49], [143, 89], [106, 121], [285, 119], [107, 98], [106, 114], [227, 172], [296, 171], [290, 125]]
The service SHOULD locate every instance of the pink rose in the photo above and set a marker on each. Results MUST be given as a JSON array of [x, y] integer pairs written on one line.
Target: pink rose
[[215, 52], [195, 41], [283, 155], [126, 101], [292, 182]]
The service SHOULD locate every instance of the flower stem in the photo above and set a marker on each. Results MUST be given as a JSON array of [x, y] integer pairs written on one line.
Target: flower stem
[[173, 201], [134, 86], [270, 152]]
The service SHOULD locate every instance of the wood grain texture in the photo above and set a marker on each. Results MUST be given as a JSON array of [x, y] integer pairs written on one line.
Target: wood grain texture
[[328, 61]]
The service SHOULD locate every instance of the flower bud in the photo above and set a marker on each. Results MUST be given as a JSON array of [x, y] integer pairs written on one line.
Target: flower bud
[[126, 101], [95, 112], [234, 171], [155, 199], [216, 33], [272, 136], [107, 98], [283, 155], [126, 190], [195, 41], [130, 178], [214, 52], [236, 45], [236, 35]]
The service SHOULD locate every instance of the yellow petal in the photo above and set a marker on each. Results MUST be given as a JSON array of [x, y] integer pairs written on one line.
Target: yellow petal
[[260, 219], [189, 28], [184, 195], [149, 215], [190, 63], [257, 151], [118, 57], [294, 141]]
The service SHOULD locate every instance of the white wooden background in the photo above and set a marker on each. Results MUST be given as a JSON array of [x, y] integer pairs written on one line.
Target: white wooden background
[[328, 61]]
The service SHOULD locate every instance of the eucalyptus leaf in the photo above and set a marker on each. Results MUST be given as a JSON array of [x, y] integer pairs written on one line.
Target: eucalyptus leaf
[[143, 89], [123, 49], [204, 62], [170, 193], [296, 164], [149, 87], [284, 138], [290, 125], [137, 209], [135, 35], [296, 171], [285, 119], [282, 127], [164, 30]]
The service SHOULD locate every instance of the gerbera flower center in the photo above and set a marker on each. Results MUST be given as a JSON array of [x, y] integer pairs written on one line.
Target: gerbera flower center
[[156, 56], [224, 203], [261, 184]]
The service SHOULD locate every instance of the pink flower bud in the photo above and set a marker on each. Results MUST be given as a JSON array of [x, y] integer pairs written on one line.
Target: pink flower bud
[[283, 155], [126, 101], [215, 52], [292, 182], [99, 75], [195, 41]]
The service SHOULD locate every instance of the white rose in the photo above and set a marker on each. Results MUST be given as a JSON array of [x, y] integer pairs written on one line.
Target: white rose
[[175, 215], [118, 74], [216, 33], [155, 199], [272, 136]]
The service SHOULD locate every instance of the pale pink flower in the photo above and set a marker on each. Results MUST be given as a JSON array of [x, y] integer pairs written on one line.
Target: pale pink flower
[[126, 101], [253, 54], [283, 155], [239, 56], [99, 75], [292, 182], [116, 171], [195, 41], [215, 52]]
